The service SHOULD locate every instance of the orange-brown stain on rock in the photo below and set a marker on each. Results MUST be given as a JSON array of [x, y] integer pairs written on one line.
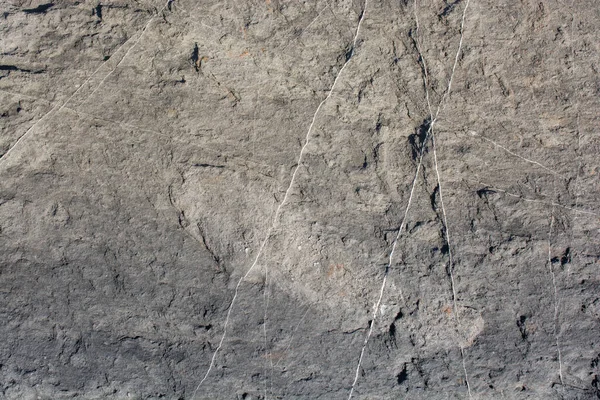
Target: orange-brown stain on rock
[[333, 268]]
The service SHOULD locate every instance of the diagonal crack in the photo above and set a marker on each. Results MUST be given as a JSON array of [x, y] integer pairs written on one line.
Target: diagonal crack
[[430, 122], [283, 202], [58, 108]]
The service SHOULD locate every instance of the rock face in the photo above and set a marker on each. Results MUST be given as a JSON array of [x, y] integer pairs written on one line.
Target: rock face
[[300, 200]]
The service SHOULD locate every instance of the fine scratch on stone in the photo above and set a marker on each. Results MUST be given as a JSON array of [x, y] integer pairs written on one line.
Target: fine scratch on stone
[[446, 227], [85, 114], [450, 261], [429, 131], [59, 108], [516, 155], [546, 203], [381, 291], [141, 129], [23, 136], [293, 333], [280, 206], [577, 179], [124, 57], [555, 292], [266, 299], [579, 133], [314, 19]]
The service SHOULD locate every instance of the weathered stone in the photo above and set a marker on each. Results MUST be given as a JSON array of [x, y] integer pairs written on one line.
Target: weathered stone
[[200, 199]]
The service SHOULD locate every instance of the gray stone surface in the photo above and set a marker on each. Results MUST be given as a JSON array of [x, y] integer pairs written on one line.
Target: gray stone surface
[[160, 201]]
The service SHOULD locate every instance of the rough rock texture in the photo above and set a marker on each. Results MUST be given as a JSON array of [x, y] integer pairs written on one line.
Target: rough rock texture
[[159, 200]]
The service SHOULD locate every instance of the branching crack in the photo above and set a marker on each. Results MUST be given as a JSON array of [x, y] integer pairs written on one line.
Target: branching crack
[[420, 138]]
